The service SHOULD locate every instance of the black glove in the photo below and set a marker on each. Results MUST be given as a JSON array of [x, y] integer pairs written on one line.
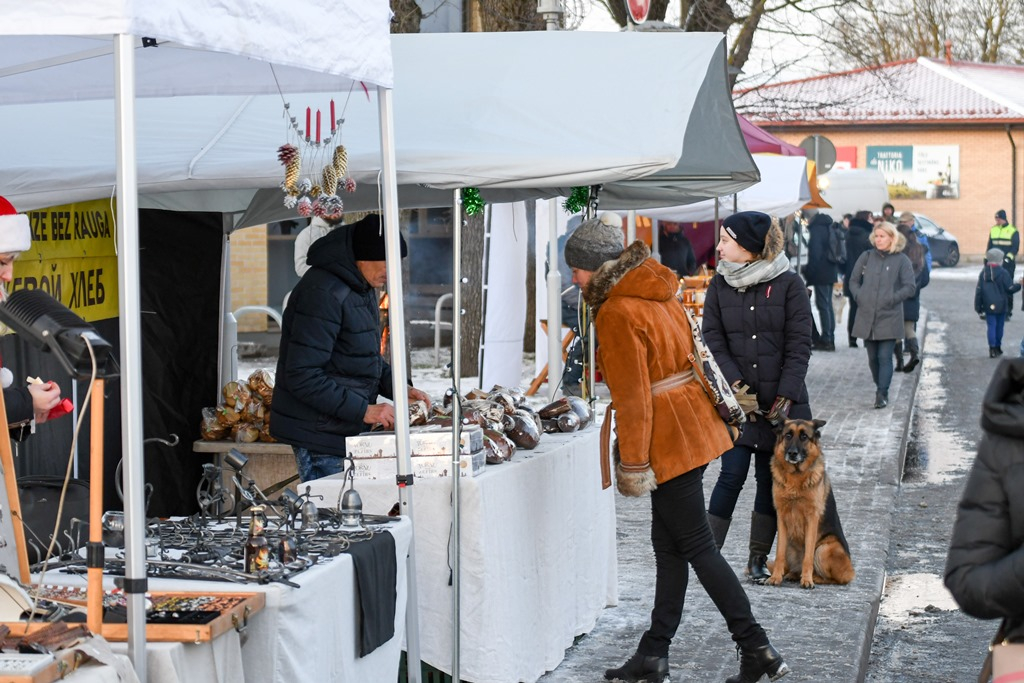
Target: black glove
[[981, 315], [747, 400], [779, 411]]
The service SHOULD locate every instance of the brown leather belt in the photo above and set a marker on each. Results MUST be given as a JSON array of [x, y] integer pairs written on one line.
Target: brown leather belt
[[672, 381]]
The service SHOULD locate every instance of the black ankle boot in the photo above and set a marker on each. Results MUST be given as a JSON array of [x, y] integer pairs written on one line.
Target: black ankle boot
[[647, 668], [898, 352], [991, 352], [757, 662]]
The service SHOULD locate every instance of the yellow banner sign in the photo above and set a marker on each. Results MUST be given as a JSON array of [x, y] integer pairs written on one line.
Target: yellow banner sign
[[73, 258]]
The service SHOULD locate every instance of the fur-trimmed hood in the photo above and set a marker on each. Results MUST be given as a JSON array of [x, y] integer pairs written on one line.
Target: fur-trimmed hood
[[774, 242], [611, 273]]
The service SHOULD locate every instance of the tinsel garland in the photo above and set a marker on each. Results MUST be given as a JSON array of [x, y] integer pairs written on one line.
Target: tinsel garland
[[577, 200], [472, 202]]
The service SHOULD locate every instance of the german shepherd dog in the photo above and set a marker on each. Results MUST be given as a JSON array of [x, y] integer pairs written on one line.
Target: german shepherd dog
[[810, 535]]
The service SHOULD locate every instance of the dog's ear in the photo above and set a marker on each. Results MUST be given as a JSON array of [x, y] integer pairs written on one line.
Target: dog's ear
[[818, 424], [779, 428]]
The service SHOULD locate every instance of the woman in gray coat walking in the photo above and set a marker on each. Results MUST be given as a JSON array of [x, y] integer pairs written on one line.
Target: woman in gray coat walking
[[881, 279]]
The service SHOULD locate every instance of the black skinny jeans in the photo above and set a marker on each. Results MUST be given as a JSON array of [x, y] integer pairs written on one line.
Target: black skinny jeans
[[681, 536]]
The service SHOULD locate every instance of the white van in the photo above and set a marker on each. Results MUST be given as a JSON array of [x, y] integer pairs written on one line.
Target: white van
[[853, 190]]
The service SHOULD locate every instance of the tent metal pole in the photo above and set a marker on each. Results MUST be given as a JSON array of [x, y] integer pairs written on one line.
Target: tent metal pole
[[630, 226], [554, 303], [131, 350], [656, 239], [396, 321], [456, 428]]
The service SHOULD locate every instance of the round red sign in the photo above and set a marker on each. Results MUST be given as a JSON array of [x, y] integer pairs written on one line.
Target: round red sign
[[638, 10]]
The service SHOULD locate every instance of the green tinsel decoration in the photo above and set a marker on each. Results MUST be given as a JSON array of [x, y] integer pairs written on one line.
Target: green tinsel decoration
[[577, 200], [472, 202]]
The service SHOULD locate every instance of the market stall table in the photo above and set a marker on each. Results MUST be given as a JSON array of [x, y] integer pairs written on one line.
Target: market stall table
[[302, 634], [537, 556]]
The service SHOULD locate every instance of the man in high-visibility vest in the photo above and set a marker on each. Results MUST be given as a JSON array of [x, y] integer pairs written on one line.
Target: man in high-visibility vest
[[1004, 237]]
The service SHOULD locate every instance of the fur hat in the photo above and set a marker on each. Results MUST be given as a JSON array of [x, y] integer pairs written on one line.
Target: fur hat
[[994, 256], [15, 232], [756, 232], [1001, 214], [368, 239], [594, 242]]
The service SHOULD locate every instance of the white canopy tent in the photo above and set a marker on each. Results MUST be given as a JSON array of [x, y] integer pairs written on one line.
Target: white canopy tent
[[783, 189], [183, 161], [45, 62]]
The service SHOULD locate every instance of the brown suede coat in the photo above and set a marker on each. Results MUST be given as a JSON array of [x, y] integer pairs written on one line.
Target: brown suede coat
[[643, 336]]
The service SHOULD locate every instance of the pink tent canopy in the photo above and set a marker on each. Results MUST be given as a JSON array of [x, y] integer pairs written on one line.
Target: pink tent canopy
[[762, 142]]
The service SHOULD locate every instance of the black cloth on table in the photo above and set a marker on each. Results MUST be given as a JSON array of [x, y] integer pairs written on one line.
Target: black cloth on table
[[376, 571]]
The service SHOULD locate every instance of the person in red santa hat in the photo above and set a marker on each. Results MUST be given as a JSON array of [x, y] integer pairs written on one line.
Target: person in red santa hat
[[34, 401]]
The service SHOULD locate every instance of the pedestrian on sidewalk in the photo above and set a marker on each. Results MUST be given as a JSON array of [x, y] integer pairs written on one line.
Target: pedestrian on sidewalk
[[757, 324], [821, 273], [992, 299], [916, 252], [987, 548], [858, 240], [1004, 237], [668, 431], [882, 278]]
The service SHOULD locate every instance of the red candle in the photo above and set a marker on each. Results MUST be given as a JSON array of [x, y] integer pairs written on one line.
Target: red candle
[[307, 123], [318, 126], [334, 119]]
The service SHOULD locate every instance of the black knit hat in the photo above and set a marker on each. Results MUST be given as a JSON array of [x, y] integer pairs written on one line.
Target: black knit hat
[[368, 239], [1001, 214], [749, 229]]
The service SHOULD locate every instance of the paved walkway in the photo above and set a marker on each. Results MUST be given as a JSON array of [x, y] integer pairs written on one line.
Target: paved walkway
[[825, 634]]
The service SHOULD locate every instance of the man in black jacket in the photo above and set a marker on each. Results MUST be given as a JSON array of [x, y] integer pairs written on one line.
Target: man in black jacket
[[330, 370], [821, 274], [857, 242]]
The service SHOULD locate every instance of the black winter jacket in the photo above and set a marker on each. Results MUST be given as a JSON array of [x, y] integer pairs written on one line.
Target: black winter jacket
[[329, 369], [819, 270], [762, 336], [994, 285], [858, 240], [985, 565]]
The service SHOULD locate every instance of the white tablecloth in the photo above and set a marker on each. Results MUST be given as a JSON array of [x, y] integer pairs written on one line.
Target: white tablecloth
[[538, 557], [302, 634]]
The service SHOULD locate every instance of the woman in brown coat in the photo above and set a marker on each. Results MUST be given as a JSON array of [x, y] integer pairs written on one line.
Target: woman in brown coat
[[667, 432]]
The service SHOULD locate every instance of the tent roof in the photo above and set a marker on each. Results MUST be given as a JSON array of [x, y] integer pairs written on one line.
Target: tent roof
[[351, 39], [470, 110], [760, 141], [782, 190]]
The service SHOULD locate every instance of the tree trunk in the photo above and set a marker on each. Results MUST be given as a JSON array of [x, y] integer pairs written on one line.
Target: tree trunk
[[472, 232]]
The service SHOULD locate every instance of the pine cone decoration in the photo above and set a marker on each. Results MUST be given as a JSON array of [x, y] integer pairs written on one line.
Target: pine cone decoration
[[330, 180], [306, 186], [333, 206], [340, 161], [291, 171], [350, 184], [305, 207], [318, 207], [285, 154], [290, 201]]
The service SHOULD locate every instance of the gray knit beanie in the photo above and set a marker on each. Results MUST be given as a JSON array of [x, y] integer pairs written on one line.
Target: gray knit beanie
[[593, 243], [994, 255]]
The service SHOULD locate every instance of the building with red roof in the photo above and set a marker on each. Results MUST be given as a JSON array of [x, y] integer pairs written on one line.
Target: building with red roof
[[948, 135]]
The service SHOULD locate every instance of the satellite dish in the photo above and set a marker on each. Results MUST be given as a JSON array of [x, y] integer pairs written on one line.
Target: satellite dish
[[821, 151]]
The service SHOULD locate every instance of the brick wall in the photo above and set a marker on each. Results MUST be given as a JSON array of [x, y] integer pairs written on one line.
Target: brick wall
[[986, 163], [249, 275]]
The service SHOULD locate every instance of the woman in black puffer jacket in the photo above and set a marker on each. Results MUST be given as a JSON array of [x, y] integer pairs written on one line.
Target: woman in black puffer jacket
[[757, 324], [985, 566]]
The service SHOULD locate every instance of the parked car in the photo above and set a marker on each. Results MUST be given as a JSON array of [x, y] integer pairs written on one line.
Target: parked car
[[945, 248]]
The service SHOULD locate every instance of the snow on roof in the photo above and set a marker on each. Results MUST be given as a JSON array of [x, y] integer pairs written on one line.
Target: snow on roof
[[910, 91]]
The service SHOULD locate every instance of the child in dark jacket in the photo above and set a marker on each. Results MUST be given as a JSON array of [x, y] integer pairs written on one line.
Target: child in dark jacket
[[991, 299]]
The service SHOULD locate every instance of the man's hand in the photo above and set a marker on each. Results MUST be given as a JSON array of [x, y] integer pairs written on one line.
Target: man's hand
[[382, 414], [747, 400], [417, 395], [45, 397], [981, 315]]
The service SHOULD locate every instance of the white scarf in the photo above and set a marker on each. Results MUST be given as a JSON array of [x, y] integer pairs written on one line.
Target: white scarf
[[743, 275]]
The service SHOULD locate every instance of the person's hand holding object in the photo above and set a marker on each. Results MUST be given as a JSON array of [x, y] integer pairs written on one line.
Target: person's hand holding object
[[45, 397]]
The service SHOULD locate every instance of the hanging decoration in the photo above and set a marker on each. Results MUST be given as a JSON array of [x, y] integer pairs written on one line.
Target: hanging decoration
[[472, 202], [315, 167], [577, 200]]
